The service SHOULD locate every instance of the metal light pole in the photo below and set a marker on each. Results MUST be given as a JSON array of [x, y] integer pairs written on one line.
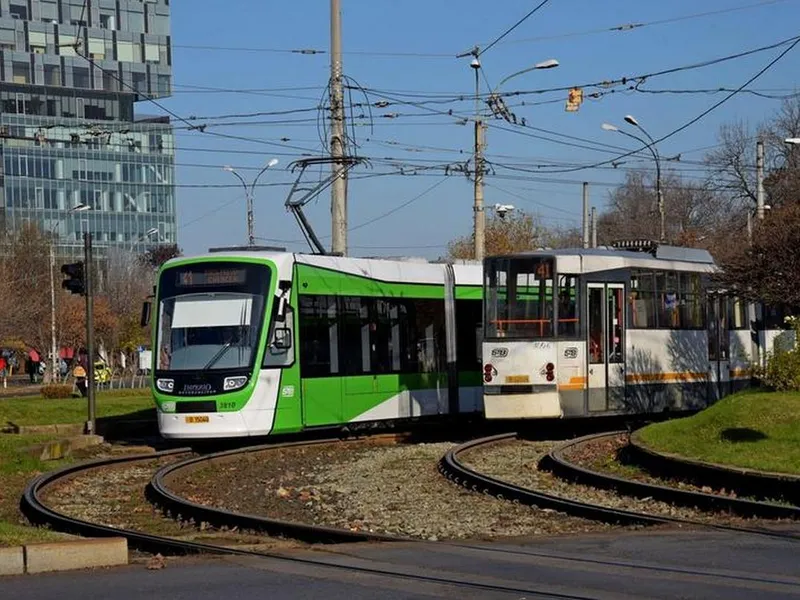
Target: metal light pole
[[53, 348], [89, 283], [479, 233], [651, 146], [249, 192]]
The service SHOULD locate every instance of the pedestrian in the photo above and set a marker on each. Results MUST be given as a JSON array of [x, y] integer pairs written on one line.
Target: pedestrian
[[4, 370], [81, 371]]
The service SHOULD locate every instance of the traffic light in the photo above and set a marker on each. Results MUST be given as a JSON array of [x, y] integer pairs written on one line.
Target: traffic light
[[75, 283], [574, 99]]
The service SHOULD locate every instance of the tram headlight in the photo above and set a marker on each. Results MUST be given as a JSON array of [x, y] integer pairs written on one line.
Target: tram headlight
[[488, 371], [549, 371], [234, 383], [165, 385]]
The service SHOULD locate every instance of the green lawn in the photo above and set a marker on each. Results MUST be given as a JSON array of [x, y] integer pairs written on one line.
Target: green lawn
[[35, 410], [17, 468], [752, 429]]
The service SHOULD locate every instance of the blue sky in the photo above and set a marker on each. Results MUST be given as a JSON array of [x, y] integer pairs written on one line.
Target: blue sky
[[407, 51]]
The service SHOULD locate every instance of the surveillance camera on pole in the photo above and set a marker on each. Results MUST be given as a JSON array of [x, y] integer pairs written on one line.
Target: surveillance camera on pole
[[503, 209]]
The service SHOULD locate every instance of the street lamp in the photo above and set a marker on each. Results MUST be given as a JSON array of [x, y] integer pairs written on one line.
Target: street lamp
[[249, 195], [793, 141], [498, 106], [652, 147], [53, 349]]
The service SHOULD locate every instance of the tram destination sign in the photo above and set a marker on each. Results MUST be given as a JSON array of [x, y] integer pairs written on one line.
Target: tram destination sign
[[210, 277]]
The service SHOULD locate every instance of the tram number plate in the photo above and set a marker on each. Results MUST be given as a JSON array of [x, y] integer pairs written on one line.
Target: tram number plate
[[200, 419], [517, 379]]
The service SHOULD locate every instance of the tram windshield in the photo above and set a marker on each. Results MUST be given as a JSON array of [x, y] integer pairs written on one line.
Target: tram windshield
[[519, 298], [210, 316]]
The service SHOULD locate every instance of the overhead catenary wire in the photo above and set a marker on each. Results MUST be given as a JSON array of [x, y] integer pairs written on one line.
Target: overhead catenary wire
[[694, 120], [513, 27]]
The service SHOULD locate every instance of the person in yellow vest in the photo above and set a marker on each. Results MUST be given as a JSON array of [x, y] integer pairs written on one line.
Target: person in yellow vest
[[80, 373]]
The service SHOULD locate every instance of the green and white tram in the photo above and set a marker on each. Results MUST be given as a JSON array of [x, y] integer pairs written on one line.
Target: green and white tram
[[603, 331], [253, 343]]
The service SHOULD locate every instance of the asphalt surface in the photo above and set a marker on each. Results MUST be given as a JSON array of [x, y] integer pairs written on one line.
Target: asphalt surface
[[668, 564]]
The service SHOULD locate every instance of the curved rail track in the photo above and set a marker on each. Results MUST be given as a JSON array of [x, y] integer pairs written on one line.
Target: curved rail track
[[38, 513], [159, 493], [557, 462], [455, 470]]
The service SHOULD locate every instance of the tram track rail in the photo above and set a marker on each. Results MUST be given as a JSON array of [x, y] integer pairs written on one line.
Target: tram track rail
[[34, 508], [557, 462], [38, 512], [459, 473]]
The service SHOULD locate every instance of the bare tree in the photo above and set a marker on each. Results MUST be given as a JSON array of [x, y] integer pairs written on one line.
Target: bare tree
[[732, 165], [692, 210]]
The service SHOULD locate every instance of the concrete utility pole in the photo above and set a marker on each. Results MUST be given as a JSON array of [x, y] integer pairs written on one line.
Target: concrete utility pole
[[594, 227], [760, 180], [339, 187], [585, 214], [480, 215]]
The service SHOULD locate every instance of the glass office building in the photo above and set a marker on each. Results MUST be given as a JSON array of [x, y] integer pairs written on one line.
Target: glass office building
[[71, 74]]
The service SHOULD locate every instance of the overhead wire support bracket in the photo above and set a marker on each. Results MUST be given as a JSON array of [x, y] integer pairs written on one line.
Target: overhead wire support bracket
[[296, 205]]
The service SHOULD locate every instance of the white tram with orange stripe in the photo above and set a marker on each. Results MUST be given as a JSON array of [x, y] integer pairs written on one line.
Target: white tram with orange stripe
[[626, 329]]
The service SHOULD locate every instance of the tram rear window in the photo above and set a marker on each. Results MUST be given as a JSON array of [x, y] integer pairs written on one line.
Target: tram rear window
[[519, 298]]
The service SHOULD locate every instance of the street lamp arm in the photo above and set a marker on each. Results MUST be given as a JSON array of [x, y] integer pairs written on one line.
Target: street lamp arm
[[653, 151], [240, 178], [547, 64], [271, 163]]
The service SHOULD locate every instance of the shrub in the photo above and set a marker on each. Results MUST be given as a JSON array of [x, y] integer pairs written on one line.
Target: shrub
[[59, 390], [782, 372]]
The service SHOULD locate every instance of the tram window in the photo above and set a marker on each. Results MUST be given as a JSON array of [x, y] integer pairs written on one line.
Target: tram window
[[692, 313], [669, 298], [319, 353], [596, 349], [614, 328], [568, 306], [724, 338], [519, 298], [427, 353], [737, 314], [468, 346], [642, 300], [388, 335], [354, 327]]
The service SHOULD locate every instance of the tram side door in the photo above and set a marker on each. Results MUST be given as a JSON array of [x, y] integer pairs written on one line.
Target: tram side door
[[718, 347], [606, 346]]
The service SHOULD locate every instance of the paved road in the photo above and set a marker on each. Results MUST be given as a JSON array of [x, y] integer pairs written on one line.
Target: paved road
[[669, 564]]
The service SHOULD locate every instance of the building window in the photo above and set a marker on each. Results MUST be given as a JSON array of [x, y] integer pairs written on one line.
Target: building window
[[21, 72], [81, 79], [108, 19], [18, 11], [97, 48], [163, 85], [37, 41], [52, 75]]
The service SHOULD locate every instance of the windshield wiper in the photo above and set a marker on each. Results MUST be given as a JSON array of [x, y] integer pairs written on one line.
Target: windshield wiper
[[217, 356]]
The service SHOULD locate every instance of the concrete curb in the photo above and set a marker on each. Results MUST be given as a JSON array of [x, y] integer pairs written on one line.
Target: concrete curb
[[12, 561], [62, 448], [64, 556], [746, 482]]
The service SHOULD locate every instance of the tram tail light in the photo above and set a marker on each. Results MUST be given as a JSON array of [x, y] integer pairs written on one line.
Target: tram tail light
[[488, 369], [550, 371]]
